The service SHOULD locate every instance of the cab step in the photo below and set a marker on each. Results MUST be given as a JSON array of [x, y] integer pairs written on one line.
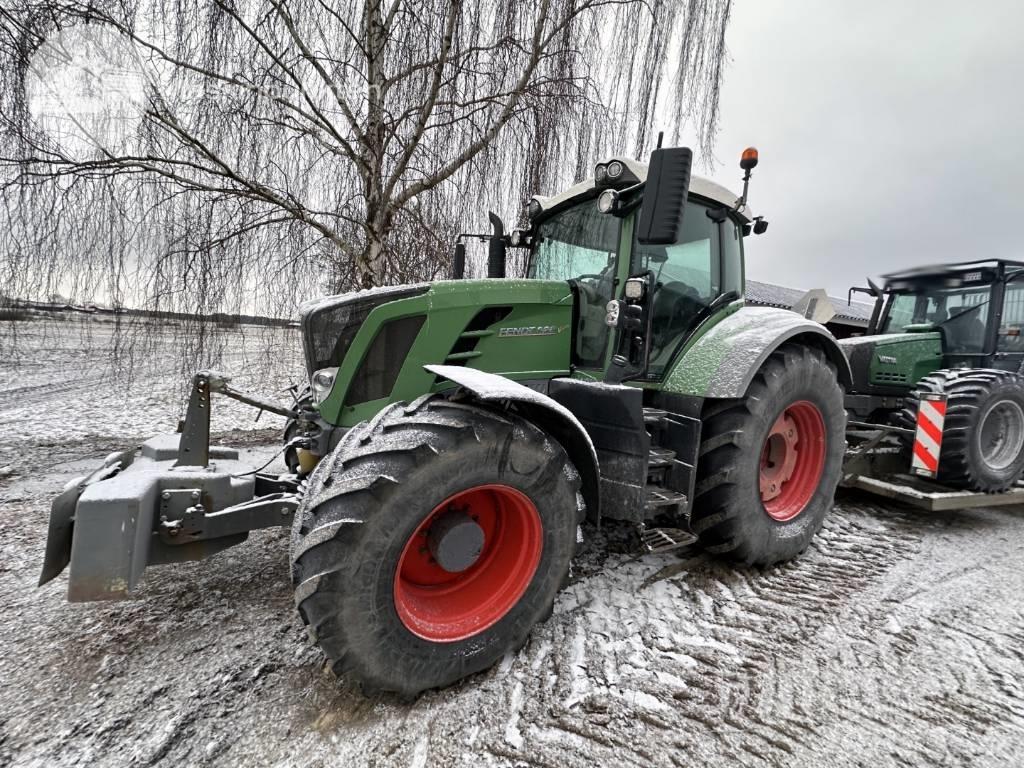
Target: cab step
[[663, 497], [666, 539], [653, 416], [660, 457]]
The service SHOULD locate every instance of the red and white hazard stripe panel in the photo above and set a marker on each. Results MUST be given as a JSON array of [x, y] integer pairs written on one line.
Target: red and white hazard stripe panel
[[931, 415]]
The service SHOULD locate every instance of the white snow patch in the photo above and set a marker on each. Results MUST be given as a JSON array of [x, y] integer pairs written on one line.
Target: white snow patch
[[579, 684], [420, 753], [512, 733]]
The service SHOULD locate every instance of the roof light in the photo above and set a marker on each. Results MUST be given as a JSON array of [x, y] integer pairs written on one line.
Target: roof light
[[608, 201], [748, 159], [534, 208], [600, 173], [614, 169]]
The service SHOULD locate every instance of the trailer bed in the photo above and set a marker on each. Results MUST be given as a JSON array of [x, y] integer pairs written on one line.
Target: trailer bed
[[926, 494]]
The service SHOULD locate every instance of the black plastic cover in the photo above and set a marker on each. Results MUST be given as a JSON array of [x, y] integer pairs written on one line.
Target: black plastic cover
[[614, 419]]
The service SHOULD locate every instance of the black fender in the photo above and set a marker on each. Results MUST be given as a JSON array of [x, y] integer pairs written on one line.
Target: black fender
[[551, 416], [724, 360]]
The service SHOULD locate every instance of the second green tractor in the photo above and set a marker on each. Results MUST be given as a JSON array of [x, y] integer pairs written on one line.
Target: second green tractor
[[939, 375]]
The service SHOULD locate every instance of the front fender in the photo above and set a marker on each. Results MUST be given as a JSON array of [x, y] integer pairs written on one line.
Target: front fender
[[551, 416], [723, 361]]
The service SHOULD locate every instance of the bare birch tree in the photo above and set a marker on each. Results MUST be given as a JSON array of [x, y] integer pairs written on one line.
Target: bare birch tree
[[267, 149]]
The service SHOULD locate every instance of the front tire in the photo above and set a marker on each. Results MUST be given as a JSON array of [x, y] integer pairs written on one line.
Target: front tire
[[431, 541], [769, 463]]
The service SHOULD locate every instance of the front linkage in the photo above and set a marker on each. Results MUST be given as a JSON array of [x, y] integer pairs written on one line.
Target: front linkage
[[179, 499]]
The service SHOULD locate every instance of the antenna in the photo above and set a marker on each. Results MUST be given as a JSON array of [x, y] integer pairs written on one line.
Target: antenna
[[661, 135]]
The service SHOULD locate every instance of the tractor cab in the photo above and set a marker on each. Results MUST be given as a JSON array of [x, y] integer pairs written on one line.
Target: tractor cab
[[590, 236], [973, 310]]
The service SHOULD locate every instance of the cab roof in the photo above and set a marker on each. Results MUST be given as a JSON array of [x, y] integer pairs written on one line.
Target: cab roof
[[979, 271], [699, 187]]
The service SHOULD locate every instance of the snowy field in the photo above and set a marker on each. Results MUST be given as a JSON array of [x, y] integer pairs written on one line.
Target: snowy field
[[898, 639]]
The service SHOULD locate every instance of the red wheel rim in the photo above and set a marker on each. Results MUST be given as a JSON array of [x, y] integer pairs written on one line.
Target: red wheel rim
[[792, 460], [444, 607]]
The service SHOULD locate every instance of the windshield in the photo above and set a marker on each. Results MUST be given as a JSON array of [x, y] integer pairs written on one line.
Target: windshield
[[581, 244], [577, 242], [962, 313]]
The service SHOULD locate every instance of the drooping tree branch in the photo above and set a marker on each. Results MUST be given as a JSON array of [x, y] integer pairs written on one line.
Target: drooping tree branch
[[331, 144]]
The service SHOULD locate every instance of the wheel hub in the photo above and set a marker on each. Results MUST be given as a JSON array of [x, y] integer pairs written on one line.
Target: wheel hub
[[468, 563], [1002, 434], [792, 460], [455, 541], [778, 459]]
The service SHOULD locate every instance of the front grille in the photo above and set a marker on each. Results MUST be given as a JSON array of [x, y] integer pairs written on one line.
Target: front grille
[[897, 378]]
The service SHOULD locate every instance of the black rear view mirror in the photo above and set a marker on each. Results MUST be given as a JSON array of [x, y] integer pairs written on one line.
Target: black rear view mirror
[[668, 182]]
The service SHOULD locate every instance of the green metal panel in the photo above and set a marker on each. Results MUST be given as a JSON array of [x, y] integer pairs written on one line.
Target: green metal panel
[[537, 348], [693, 368], [724, 358], [903, 359]]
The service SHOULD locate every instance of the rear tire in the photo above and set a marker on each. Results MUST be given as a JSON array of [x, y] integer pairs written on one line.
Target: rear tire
[[983, 433], [769, 463], [384, 612]]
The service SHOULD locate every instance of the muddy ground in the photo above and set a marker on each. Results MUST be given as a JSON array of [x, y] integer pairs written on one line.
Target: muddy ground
[[898, 639]]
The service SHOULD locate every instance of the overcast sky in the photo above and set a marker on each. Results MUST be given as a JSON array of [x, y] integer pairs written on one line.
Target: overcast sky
[[890, 134]]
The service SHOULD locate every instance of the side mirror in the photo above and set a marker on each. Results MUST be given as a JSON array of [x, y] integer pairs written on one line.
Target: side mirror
[[496, 247], [459, 262], [668, 183]]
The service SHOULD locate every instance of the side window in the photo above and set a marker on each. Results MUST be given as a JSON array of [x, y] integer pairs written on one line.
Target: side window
[[691, 264], [1011, 328]]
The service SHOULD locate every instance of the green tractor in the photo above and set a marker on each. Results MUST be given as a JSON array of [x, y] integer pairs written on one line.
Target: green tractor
[[937, 385], [457, 434]]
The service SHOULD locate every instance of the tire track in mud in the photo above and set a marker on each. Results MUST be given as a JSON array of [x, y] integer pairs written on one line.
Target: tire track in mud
[[692, 661]]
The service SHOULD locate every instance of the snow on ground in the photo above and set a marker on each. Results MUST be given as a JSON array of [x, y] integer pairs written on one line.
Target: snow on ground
[[898, 639]]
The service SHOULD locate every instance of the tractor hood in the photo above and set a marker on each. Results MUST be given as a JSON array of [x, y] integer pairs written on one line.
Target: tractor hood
[[367, 349], [892, 363]]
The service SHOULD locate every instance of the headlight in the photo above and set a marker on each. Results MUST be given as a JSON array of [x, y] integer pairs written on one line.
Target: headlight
[[614, 169], [322, 382], [608, 201], [600, 173]]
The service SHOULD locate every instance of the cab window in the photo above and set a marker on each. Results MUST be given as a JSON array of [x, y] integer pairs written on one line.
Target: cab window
[[580, 244], [961, 313], [1011, 328]]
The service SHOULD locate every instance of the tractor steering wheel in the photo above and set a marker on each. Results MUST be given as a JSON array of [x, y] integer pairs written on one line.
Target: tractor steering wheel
[[593, 294]]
